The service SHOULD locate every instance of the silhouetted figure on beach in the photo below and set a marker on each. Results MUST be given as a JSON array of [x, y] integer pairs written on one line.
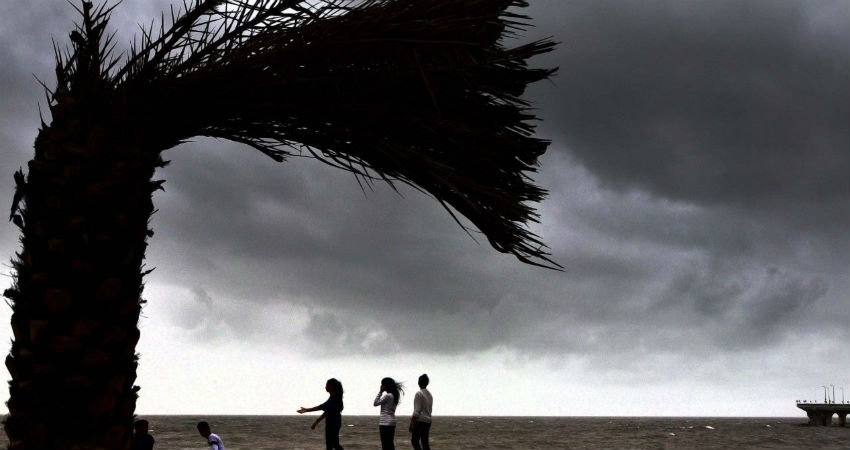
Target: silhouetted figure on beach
[[388, 398], [213, 439], [141, 439], [332, 413], [420, 421]]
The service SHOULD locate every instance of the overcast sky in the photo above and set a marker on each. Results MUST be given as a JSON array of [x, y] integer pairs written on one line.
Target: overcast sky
[[699, 200]]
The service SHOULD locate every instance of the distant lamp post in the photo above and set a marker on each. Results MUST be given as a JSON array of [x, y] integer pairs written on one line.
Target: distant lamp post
[[832, 400], [824, 394], [842, 394]]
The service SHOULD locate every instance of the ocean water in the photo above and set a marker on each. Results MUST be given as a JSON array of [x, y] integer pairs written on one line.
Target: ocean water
[[515, 433]]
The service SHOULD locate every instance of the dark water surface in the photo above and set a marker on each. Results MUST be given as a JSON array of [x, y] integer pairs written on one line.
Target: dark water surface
[[515, 433]]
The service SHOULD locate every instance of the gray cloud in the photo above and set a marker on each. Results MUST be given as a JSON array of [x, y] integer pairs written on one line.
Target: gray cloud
[[699, 201], [736, 103]]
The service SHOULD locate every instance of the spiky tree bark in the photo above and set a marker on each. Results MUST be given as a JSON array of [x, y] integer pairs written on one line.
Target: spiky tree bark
[[76, 301], [421, 92]]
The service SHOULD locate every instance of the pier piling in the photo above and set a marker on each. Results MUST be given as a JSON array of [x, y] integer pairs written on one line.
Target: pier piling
[[821, 413]]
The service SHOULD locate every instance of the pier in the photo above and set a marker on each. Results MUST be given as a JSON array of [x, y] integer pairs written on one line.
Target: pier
[[821, 413]]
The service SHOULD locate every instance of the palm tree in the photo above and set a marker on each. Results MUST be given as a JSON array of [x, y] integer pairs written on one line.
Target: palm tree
[[422, 92]]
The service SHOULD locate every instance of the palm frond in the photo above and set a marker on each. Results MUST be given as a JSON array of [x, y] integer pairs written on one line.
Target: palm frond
[[423, 92]]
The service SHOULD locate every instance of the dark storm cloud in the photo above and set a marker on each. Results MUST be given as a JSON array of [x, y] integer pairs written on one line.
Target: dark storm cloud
[[304, 228], [698, 180], [380, 272], [730, 102], [745, 308]]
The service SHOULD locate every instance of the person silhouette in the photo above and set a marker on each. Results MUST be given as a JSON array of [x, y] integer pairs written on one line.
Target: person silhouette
[[388, 398], [420, 421], [213, 439], [332, 413], [141, 439]]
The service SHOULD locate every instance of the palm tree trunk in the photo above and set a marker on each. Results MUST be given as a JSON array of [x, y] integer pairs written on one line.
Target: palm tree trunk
[[76, 298]]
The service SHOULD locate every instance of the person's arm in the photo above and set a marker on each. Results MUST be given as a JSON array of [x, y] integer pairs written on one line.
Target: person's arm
[[303, 410], [313, 427], [380, 399], [417, 407]]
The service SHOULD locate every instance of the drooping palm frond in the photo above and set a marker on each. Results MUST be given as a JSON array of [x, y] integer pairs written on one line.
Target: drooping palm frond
[[425, 92]]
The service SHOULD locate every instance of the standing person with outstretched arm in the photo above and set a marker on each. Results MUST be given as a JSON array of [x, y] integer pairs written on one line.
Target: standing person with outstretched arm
[[388, 398], [332, 414], [420, 421]]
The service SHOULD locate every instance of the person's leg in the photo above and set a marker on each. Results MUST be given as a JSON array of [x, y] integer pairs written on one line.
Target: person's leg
[[329, 437], [332, 436], [414, 438], [338, 445], [336, 435], [386, 437], [391, 437], [424, 432]]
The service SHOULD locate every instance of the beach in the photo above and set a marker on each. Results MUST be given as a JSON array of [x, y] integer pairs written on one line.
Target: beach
[[514, 433]]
